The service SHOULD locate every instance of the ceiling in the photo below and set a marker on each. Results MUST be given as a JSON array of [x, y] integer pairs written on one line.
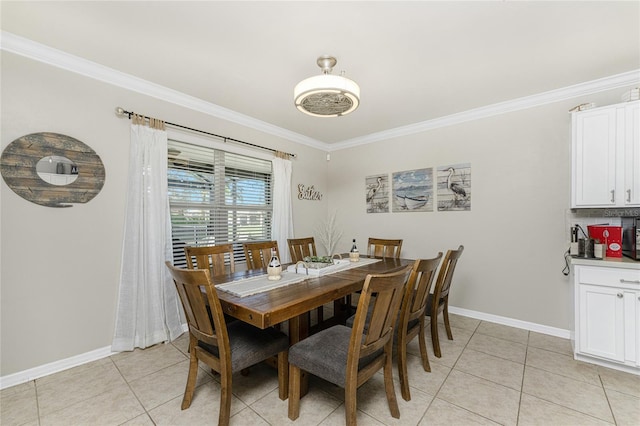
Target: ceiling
[[414, 61]]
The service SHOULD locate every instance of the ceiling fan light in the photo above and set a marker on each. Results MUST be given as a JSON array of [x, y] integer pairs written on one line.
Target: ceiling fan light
[[327, 95]]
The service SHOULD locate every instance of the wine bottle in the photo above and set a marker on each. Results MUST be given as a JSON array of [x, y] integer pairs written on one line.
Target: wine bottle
[[274, 262], [354, 255], [274, 268]]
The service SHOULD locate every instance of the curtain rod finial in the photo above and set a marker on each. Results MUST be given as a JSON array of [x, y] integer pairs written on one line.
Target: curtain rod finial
[[119, 112]]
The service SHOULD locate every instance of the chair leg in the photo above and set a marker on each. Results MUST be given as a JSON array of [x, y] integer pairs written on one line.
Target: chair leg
[[320, 312], [350, 398], [294, 392], [445, 314], [423, 347], [191, 377], [402, 369], [388, 384], [434, 335], [283, 375], [225, 398]]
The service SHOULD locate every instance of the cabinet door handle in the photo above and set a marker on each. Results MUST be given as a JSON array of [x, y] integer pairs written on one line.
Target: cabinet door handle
[[622, 280], [613, 195], [628, 195], [619, 295]]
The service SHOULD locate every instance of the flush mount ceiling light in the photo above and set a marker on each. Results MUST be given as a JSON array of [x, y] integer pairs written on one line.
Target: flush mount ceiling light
[[327, 95]]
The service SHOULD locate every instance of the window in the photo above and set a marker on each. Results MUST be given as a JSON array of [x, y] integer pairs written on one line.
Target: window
[[217, 197]]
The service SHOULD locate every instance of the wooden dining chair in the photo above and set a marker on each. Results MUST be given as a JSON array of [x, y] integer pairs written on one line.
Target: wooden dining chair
[[348, 357], [258, 254], [438, 301], [299, 248], [412, 317], [411, 321], [226, 348], [380, 247], [214, 258]]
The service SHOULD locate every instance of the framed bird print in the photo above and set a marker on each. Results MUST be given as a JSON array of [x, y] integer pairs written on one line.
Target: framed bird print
[[454, 187], [413, 191], [377, 193]]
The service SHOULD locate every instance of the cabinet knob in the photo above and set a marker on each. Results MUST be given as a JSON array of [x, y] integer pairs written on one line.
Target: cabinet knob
[[613, 195], [628, 195], [619, 295], [622, 280]]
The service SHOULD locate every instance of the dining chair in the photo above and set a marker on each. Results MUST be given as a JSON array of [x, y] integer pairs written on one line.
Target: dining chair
[[214, 258], [412, 317], [226, 348], [258, 254], [438, 301], [380, 247], [299, 248], [348, 357], [411, 320]]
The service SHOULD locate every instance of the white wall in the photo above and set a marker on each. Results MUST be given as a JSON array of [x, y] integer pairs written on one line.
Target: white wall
[[514, 235], [60, 266]]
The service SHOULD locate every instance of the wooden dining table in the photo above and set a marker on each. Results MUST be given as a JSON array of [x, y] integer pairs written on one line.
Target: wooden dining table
[[291, 302]]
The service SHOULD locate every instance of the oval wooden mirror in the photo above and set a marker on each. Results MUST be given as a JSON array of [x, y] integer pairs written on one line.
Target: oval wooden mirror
[[52, 169]]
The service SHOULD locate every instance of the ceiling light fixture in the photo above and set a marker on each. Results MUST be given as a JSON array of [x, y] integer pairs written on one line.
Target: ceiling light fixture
[[327, 95]]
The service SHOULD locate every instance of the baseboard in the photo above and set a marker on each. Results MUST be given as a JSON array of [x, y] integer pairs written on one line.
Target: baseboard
[[54, 367], [543, 329], [74, 361]]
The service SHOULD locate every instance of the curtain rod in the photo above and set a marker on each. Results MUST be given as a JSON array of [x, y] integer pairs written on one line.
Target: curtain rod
[[120, 112]]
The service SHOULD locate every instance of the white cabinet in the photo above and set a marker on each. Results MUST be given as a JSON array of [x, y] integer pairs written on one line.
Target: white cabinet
[[606, 156], [607, 315]]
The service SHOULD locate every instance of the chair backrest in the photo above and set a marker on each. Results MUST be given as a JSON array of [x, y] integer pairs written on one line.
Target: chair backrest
[[443, 284], [213, 258], [414, 303], [380, 247], [197, 294], [300, 248], [384, 292], [258, 254]]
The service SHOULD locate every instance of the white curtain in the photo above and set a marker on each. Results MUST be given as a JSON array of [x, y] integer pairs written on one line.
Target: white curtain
[[282, 222], [149, 309]]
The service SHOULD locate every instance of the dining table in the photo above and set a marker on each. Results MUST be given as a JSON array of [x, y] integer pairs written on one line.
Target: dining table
[[293, 301]]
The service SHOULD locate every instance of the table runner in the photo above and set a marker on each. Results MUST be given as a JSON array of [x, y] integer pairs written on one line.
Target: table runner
[[249, 286]]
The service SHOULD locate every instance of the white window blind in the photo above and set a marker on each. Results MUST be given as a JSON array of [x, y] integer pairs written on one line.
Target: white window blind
[[217, 197]]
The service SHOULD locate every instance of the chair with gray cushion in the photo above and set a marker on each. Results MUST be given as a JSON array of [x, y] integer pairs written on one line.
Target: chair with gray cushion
[[226, 348], [439, 300], [348, 357], [411, 321]]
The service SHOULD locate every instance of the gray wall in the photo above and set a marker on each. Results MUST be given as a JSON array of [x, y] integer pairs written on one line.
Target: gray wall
[[60, 267], [515, 234]]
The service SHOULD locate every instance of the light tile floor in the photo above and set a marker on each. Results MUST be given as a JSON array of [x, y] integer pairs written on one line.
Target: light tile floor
[[489, 374]]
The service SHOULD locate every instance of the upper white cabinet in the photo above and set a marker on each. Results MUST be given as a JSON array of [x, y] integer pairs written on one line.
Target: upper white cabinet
[[606, 156]]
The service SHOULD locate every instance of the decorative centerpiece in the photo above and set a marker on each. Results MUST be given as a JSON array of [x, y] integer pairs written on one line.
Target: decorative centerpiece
[[317, 262]]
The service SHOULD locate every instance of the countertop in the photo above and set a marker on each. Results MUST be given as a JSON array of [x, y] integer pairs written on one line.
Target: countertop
[[608, 262]]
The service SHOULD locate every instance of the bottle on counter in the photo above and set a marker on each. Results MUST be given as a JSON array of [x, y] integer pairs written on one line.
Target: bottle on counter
[[354, 254]]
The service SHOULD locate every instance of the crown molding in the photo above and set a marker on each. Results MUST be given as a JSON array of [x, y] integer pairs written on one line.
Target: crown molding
[[39, 52], [581, 89], [45, 54]]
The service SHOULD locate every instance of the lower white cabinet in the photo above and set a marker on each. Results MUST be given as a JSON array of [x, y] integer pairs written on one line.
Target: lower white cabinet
[[607, 315]]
